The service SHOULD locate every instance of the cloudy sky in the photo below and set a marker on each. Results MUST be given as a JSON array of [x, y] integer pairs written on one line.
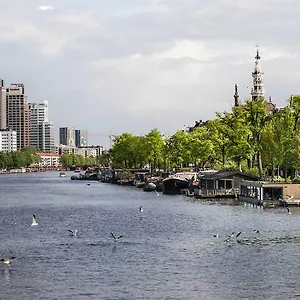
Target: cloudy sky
[[134, 65]]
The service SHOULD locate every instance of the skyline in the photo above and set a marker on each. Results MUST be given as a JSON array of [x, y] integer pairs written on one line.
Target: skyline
[[146, 64]]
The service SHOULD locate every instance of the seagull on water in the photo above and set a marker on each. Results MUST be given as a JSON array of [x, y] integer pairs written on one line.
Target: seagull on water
[[256, 231], [34, 222], [116, 238], [141, 209], [88, 184], [157, 193], [215, 235], [73, 232], [8, 260]]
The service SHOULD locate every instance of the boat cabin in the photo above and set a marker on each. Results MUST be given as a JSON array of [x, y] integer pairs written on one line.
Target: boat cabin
[[221, 184], [270, 193]]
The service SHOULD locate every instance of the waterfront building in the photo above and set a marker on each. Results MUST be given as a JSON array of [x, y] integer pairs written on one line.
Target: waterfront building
[[81, 138], [17, 113], [41, 130], [67, 136], [87, 151], [3, 124], [49, 160], [8, 140]]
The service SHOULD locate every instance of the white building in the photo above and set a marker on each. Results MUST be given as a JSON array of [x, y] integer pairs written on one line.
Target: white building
[[49, 160], [87, 151], [8, 140], [41, 130]]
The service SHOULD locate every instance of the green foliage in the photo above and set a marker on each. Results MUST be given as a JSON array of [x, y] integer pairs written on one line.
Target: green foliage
[[18, 159], [76, 160]]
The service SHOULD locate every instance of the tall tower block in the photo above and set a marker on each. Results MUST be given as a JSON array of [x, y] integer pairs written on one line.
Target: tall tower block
[[257, 90]]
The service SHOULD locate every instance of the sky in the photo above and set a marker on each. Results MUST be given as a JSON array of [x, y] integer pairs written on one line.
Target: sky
[[118, 66]]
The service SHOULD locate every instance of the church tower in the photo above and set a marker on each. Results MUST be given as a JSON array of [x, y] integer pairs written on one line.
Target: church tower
[[257, 90], [236, 96]]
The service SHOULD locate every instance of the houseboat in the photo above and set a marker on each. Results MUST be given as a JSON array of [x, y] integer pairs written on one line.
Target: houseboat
[[174, 184], [222, 184], [270, 194]]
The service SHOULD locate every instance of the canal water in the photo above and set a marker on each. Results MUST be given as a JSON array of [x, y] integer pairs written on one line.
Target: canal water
[[168, 251]]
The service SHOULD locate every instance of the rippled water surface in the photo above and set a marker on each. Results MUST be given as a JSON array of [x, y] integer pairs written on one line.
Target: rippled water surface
[[166, 252]]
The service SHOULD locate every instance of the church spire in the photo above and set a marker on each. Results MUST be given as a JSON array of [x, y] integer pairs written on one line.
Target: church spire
[[236, 96], [257, 90]]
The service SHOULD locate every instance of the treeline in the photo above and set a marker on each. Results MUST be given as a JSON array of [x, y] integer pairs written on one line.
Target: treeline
[[77, 160], [19, 159], [247, 138]]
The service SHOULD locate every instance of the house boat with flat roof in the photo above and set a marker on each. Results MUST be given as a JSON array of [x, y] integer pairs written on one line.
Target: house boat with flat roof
[[270, 194], [222, 184]]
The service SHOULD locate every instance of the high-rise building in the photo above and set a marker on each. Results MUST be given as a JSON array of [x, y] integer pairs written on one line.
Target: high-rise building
[[81, 138], [8, 140], [67, 136], [41, 131], [3, 124], [17, 113], [46, 139]]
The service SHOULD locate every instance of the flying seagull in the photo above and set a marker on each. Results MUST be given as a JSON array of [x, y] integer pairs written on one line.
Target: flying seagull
[[239, 233], [34, 223], [141, 209], [73, 232], [290, 197], [8, 260], [116, 238]]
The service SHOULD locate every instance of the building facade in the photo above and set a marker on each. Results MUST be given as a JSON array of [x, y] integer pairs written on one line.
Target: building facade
[[81, 138], [87, 151], [49, 160], [8, 140], [41, 130], [3, 124], [17, 113], [67, 136], [46, 140]]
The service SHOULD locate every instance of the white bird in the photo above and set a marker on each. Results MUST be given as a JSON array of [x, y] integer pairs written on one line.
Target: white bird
[[290, 197], [141, 209], [116, 238], [8, 260], [288, 210], [73, 232], [157, 193], [34, 222]]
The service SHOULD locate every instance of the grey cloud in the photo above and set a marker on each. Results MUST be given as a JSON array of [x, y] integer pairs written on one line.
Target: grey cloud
[[147, 63]]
